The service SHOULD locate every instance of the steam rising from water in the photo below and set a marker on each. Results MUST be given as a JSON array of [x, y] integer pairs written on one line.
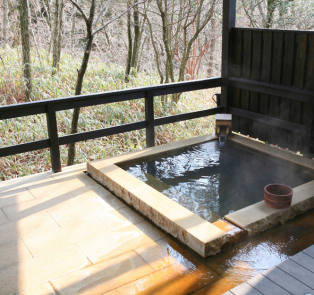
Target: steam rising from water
[[215, 178]]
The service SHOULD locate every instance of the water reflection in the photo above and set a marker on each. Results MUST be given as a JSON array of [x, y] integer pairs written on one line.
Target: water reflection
[[181, 271], [215, 178]]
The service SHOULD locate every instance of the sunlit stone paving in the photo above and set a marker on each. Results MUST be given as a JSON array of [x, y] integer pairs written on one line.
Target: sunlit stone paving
[[65, 234]]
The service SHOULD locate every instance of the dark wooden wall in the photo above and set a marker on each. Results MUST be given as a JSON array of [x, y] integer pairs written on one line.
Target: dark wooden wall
[[281, 58]]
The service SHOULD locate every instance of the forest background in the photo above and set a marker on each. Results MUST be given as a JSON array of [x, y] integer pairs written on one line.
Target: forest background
[[58, 48]]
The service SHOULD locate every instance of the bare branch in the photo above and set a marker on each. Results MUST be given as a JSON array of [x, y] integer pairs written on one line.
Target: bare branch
[[2, 62], [80, 10], [102, 11], [123, 13]]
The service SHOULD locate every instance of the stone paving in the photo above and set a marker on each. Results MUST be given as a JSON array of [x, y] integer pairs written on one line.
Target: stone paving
[[65, 234]]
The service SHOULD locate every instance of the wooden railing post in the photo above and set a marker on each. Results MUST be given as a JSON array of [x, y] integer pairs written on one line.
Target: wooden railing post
[[54, 139], [149, 117], [229, 18], [309, 129]]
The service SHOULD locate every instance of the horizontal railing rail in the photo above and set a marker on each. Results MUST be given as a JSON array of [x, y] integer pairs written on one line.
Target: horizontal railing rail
[[272, 89], [274, 30], [50, 107], [293, 93]]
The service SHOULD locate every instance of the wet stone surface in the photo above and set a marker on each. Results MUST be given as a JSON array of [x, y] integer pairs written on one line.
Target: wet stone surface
[[181, 271]]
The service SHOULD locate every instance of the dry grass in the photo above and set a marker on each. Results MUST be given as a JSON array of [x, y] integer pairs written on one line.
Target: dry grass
[[100, 77]]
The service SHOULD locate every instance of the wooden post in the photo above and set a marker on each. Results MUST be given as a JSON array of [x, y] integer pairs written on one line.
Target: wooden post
[[309, 128], [54, 139], [149, 116], [229, 17]]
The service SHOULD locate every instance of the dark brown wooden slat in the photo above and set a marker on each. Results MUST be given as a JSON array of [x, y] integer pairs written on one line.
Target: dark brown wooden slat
[[237, 71], [24, 147], [276, 64], [236, 103], [297, 115], [273, 30], [187, 86], [299, 78], [245, 95], [24, 109], [93, 101], [285, 103], [188, 116], [309, 85], [53, 138], [149, 117], [228, 23], [272, 89], [256, 70], [269, 120], [256, 56], [101, 132], [273, 134], [309, 80], [229, 15], [265, 77]]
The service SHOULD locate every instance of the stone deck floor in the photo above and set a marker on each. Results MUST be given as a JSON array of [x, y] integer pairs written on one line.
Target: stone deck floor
[[65, 234]]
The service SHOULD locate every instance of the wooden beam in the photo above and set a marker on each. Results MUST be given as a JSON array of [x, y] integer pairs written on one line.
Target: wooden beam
[[272, 89], [53, 138], [24, 147], [149, 117], [274, 30], [188, 116], [269, 120], [101, 132], [229, 19], [40, 107]]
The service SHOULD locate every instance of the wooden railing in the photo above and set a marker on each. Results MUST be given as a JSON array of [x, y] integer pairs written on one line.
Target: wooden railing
[[50, 107]]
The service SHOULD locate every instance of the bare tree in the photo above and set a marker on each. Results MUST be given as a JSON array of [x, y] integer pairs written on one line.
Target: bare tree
[[57, 35], [5, 21], [134, 37], [181, 23], [91, 30], [284, 14], [73, 20], [24, 25]]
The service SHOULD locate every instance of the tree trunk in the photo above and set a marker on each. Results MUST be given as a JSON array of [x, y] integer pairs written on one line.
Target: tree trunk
[[134, 44], [137, 38], [211, 64], [23, 8], [271, 6], [73, 30], [5, 21], [130, 45], [57, 34], [78, 91]]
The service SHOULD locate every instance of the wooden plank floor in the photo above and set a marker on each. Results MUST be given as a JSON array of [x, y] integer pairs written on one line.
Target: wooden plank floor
[[292, 276]]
